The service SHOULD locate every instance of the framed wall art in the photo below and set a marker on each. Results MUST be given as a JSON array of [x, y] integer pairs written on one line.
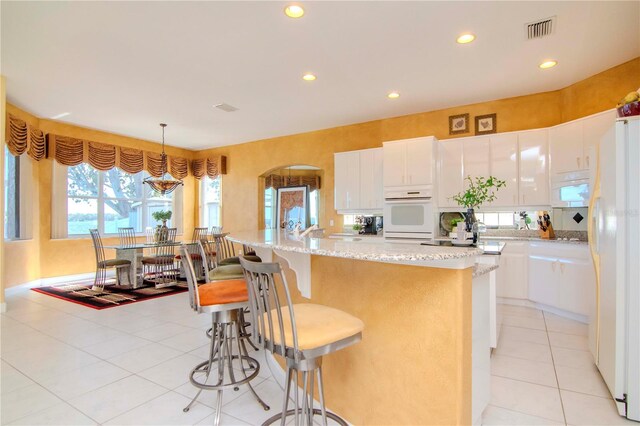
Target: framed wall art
[[293, 207], [458, 124], [486, 124]]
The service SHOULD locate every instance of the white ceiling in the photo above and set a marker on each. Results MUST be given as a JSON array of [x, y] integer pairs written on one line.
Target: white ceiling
[[123, 67]]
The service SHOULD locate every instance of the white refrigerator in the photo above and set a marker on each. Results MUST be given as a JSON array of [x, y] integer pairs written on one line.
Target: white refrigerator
[[614, 238]]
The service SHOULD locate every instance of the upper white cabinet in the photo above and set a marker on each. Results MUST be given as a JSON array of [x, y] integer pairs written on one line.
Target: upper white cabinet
[[570, 143], [371, 187], [504, 166], [408, 162], [358, 181], [476, 158], [449, 171], [595, 128], [565, 143], [347, 180], [533, 185]]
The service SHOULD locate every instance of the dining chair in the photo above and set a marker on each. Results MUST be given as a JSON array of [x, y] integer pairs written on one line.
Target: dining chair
[[199, 234], [103, 264], [149, 233], [127, 237], [159, 267]]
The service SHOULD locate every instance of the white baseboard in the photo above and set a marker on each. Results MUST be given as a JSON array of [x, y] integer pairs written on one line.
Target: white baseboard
[[42, 282], [535, 305]]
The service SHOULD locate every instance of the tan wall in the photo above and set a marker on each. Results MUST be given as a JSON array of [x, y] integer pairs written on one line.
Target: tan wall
[[241, 188], [242, 191]]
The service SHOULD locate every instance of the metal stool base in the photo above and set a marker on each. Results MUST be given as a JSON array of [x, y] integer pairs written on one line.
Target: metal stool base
[[316, 412], [225, 324]]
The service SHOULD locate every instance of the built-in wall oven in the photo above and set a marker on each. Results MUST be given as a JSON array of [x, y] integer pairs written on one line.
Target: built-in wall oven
[[408, 214]]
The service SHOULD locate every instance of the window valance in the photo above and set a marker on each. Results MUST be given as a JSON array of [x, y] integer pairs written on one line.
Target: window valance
[[278, 181], [22, 137], [211, 167], [71, 152]]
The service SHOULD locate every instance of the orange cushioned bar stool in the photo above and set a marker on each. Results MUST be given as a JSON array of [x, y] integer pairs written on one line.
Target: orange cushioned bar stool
[[224, 300], [302, 333]]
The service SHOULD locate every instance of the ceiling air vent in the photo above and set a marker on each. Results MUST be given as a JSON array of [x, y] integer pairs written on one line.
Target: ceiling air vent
[[226, 107], [540, 29]]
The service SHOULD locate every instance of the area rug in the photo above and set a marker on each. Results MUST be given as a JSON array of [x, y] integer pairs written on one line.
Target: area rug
[[111, 296]]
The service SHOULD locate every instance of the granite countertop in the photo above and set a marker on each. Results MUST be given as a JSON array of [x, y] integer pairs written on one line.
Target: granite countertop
[[354, 247], [480, 269], [536, 239]]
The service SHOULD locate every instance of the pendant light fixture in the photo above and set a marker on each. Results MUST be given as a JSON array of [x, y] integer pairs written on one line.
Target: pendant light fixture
[[162, 184]]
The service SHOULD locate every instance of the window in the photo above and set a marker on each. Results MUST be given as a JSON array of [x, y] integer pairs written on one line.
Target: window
[[17, 196], [110, 200], [211, 201], [270, 201]]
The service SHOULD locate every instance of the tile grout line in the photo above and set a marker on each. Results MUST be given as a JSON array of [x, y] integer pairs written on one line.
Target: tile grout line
[[555, 372]]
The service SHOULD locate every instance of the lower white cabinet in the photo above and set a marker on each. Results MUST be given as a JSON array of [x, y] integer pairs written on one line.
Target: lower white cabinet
[[561, 276], [512, 276]]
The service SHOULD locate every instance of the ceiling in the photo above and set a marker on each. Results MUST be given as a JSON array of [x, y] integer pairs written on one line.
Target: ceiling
[[124, 67]]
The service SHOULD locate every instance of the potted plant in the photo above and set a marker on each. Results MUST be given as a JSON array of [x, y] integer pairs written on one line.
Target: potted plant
[[163, 216], [481, 190]]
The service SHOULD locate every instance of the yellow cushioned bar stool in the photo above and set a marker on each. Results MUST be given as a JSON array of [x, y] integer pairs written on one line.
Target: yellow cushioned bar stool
[[224, 300], [301, 333]]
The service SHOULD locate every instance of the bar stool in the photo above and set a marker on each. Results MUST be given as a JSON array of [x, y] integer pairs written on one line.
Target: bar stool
[[223, 273], [224, 300], [301, 333]]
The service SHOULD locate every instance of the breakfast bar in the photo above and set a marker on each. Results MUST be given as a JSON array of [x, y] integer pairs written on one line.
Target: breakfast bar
[[418, 357]]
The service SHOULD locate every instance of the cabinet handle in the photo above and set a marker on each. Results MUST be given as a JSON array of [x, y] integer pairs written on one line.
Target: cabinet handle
[[561, 267], [514, 199], [587, 160], [578, 160], [553, 266], [523, 199]]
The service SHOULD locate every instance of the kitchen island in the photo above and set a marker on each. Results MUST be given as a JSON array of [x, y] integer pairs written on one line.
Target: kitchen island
[[414, 364]]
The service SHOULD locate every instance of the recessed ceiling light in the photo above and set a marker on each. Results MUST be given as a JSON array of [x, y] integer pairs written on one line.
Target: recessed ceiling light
[[64, 114], [294, 11], [466, 38], [309, 77], [548, 64], [393, 95]]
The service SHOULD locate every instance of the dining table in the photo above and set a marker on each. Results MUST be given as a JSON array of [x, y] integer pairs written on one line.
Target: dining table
[[134, 254]]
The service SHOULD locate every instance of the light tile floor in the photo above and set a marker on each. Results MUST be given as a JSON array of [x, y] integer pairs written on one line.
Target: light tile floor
[[543, 374], [65, 364]]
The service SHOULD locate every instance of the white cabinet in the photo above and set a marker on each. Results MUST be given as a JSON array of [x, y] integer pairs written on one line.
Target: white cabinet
[[570, 143], [449, 171], [394, 163], [476, 158], [595, 128], [511, 276], [533, 184], [419, 157], [347, 180], [561, 276], [565, 144], [358, 181], [371, 186], [504, 166], [408, 162]]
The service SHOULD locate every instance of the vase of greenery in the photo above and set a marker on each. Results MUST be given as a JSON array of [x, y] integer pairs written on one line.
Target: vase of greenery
[[480, 190], [161, 232]]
